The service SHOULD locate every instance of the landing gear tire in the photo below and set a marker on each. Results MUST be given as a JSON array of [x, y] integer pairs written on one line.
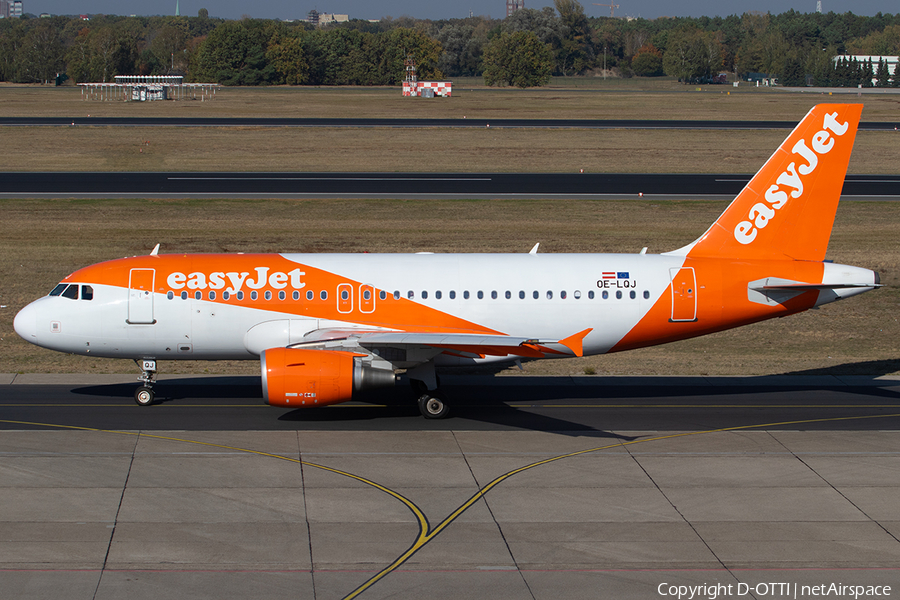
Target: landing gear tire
[[433, 405], [144, 395]]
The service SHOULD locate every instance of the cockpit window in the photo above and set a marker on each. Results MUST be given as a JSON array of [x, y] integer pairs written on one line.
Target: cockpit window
[[58, 289], [71, 292], [87, 292]]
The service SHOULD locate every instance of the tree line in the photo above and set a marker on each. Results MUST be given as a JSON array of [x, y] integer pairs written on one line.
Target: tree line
[[525, 49]]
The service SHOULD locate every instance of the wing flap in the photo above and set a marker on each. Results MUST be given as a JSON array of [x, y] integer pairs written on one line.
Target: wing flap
[[479, 345], [401, 346]]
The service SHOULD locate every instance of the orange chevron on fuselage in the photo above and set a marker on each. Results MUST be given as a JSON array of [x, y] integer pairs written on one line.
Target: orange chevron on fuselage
[[258, 281]]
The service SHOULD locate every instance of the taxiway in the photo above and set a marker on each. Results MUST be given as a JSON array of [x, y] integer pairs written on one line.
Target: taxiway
[[538, 488]]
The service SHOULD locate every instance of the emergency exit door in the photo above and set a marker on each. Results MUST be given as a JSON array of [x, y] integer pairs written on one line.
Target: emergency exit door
[[684, 294], [140, 296]]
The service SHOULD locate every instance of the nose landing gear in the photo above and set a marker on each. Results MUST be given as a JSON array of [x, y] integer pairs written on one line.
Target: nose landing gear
[[144, 395]]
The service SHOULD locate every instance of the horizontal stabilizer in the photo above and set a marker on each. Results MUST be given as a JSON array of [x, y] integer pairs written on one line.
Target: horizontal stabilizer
[[803, 287], [775, 290]]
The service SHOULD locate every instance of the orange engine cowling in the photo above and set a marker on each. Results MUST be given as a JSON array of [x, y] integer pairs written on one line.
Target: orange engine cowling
[[296, 377]]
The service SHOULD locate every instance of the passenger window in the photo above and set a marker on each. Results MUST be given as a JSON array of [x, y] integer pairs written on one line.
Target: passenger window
[[466, 295], [309, 294], [437, 295], [87, 292], [605, 294], [508, 294], [562, 295], [521, 294], [281, 295], [410, 294], [536, 294], [58, 289], [212, 295], [240, 295], [494, 295], [170, 294], [577, 294], [549, 295], [225, 295], [198, 295], [323, 295], [480, 295], [184, 295], [591, 295], [344, 295], [452, 294], [253, 295], [424, 295], [71, 292], [618, 295], [295, 295], [646, 295], [269, 295], [632, 294], [396, 294], [382, 295]]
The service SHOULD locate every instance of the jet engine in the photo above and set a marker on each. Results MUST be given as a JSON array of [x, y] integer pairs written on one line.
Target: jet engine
[[298, 377]]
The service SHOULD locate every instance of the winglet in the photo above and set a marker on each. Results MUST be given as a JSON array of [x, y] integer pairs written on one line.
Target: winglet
[[574, 342]]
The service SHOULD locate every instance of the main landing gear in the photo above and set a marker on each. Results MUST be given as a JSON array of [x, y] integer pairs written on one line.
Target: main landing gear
[[144, 395], [432, 403]]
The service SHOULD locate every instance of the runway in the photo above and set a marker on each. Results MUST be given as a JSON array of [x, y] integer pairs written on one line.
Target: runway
[[480, 123], [540, 488], [399, 185]]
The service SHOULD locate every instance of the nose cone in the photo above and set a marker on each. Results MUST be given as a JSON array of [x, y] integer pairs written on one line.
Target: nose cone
[[25, 323]]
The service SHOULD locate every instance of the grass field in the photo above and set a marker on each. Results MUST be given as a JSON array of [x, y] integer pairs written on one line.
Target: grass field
[[412, 150], [43, 240], [82, 148], [567, 98]]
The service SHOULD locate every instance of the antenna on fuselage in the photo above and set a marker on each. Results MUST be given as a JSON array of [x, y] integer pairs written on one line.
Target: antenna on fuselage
[[155, 250], [534, 250]]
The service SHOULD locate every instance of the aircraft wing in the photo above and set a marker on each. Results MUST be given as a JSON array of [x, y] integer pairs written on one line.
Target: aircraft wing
[[413, 347]]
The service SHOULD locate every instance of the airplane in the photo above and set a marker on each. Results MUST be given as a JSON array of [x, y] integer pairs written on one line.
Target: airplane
[[325, 326]]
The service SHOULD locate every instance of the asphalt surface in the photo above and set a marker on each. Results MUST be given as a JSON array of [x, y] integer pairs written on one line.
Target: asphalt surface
[[581, 405], [523, 515], [397, 185], [537, 488], [411, 123]]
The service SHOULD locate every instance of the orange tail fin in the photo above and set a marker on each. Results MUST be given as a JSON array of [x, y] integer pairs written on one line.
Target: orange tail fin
[[787, 210]]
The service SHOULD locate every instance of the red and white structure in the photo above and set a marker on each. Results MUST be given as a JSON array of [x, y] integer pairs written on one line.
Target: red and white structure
[[417, 88], [423, 89]]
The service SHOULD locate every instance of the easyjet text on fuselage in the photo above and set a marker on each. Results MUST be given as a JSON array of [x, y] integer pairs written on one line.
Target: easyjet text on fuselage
[[218, 280]]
